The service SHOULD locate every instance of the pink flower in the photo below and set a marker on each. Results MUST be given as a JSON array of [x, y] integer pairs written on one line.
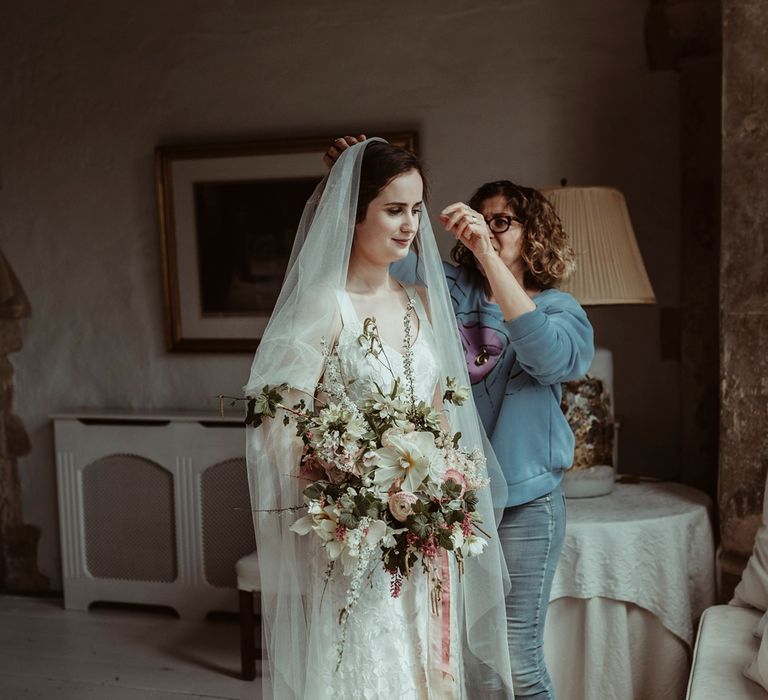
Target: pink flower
[[456, 477], [429, 548], [401, 505]]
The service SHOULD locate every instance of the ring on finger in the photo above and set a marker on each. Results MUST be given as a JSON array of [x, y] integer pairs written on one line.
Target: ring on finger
[[473, 219]]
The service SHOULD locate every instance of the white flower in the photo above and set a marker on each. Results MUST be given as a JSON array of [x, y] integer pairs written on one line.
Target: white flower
[[327, 530], [389, 538], [356, 429], [457, 537], [379, 492], [406, 456], [437, 467], [430, 414], [388, 407], [303, 525], [396, 431], [336, 425], [325, 525], [474, 546], [377, 530], [454, 393]]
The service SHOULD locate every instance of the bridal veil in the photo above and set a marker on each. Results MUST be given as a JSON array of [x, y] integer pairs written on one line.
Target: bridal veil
[[307, 312]]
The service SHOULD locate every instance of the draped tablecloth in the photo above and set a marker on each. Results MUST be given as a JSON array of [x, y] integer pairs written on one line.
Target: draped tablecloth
[[637, 571]]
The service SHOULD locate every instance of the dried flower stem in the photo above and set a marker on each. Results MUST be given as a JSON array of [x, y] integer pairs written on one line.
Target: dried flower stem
[[475, 525]]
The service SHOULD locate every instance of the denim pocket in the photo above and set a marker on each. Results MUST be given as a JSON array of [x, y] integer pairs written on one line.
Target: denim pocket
[[546, 498]]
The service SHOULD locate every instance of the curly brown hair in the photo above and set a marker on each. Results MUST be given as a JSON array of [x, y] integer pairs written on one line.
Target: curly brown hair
[[546, 251]]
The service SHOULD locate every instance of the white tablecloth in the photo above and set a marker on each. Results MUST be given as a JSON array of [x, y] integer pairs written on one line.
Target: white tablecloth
[[637, 571]]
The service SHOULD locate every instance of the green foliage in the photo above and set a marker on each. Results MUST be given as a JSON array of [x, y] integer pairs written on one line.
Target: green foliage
[[348, 520], [451, 490], [419, 525], [264, 404], [444, 539], [470, 499], [454, 516]]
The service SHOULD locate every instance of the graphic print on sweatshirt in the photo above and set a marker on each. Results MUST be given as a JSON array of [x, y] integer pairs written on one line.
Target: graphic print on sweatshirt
[[484, 348]]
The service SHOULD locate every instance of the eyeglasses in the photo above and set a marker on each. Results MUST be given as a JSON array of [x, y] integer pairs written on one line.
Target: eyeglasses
[[500, 224]]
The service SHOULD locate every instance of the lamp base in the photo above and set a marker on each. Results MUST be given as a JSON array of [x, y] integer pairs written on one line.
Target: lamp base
[[588, 482]]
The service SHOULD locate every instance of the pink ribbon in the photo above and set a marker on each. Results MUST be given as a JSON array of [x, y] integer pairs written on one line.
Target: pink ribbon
[[446, 614], [440, 642]]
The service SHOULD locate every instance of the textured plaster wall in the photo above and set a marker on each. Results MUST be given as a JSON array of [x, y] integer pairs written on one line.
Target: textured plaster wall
[[531, 90], [743, 274]]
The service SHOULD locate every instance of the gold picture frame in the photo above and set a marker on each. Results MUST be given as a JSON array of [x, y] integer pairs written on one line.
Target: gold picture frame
[[228, 213]]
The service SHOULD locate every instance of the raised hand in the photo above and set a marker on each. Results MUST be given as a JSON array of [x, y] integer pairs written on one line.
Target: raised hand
[[469, 227], [338, 147]]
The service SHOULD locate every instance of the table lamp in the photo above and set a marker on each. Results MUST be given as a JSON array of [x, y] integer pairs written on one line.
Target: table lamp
[[609, 270]]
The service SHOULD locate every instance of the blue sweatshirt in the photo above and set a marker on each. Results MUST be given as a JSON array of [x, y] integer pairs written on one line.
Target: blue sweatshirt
[[516, 368]]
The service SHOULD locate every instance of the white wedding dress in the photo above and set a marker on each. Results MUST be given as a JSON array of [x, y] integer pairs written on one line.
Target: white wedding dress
[[393, 647]]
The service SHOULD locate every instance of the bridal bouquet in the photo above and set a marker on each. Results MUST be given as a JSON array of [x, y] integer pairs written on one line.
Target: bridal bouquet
[[385, 475]]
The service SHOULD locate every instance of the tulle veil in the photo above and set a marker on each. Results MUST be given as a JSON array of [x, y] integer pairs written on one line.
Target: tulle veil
[[290, 352]]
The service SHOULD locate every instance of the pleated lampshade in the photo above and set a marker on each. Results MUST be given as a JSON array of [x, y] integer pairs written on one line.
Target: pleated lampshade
[[609, 267]]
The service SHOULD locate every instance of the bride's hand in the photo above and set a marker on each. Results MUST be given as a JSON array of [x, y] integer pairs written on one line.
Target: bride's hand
[[338, 147], [470, 228]]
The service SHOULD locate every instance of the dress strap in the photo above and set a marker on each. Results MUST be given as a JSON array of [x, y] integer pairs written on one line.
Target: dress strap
[[349, 317]]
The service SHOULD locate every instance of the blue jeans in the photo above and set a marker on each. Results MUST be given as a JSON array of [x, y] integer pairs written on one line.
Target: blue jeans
[[531, 536]]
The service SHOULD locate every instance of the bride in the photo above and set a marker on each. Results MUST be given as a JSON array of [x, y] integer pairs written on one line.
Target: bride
[[366, 215]]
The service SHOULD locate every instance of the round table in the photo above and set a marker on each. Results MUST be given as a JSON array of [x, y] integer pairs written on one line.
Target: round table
[[636, 572]]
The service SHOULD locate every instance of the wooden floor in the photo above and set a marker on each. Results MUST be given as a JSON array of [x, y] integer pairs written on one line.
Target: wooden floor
[[115, 654]]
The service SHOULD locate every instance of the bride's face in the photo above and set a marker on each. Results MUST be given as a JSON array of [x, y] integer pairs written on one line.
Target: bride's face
[[391, 222]]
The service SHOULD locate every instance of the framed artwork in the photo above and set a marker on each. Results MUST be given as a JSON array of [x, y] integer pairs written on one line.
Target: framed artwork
[[228, 216]]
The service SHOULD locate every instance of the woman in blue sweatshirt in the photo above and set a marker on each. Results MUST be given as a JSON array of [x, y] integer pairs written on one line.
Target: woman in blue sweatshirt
[[522, 338]]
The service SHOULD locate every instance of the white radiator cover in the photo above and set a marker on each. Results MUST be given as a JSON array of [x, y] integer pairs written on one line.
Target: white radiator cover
[[153, 508]]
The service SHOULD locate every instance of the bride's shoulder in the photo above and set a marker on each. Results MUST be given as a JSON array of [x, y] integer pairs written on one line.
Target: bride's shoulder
[[321, 298], [320, 305]]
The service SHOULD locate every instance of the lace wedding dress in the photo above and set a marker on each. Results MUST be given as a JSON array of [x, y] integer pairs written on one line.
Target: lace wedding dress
[[395, 648]]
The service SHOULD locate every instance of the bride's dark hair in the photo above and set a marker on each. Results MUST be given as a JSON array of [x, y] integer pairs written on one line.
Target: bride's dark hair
[[382, 162]]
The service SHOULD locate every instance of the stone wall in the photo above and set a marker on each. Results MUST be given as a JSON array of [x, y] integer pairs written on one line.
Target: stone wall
[[743, 281]]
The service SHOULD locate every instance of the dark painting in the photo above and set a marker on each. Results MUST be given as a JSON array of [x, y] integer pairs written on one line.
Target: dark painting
[[245, 231]]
